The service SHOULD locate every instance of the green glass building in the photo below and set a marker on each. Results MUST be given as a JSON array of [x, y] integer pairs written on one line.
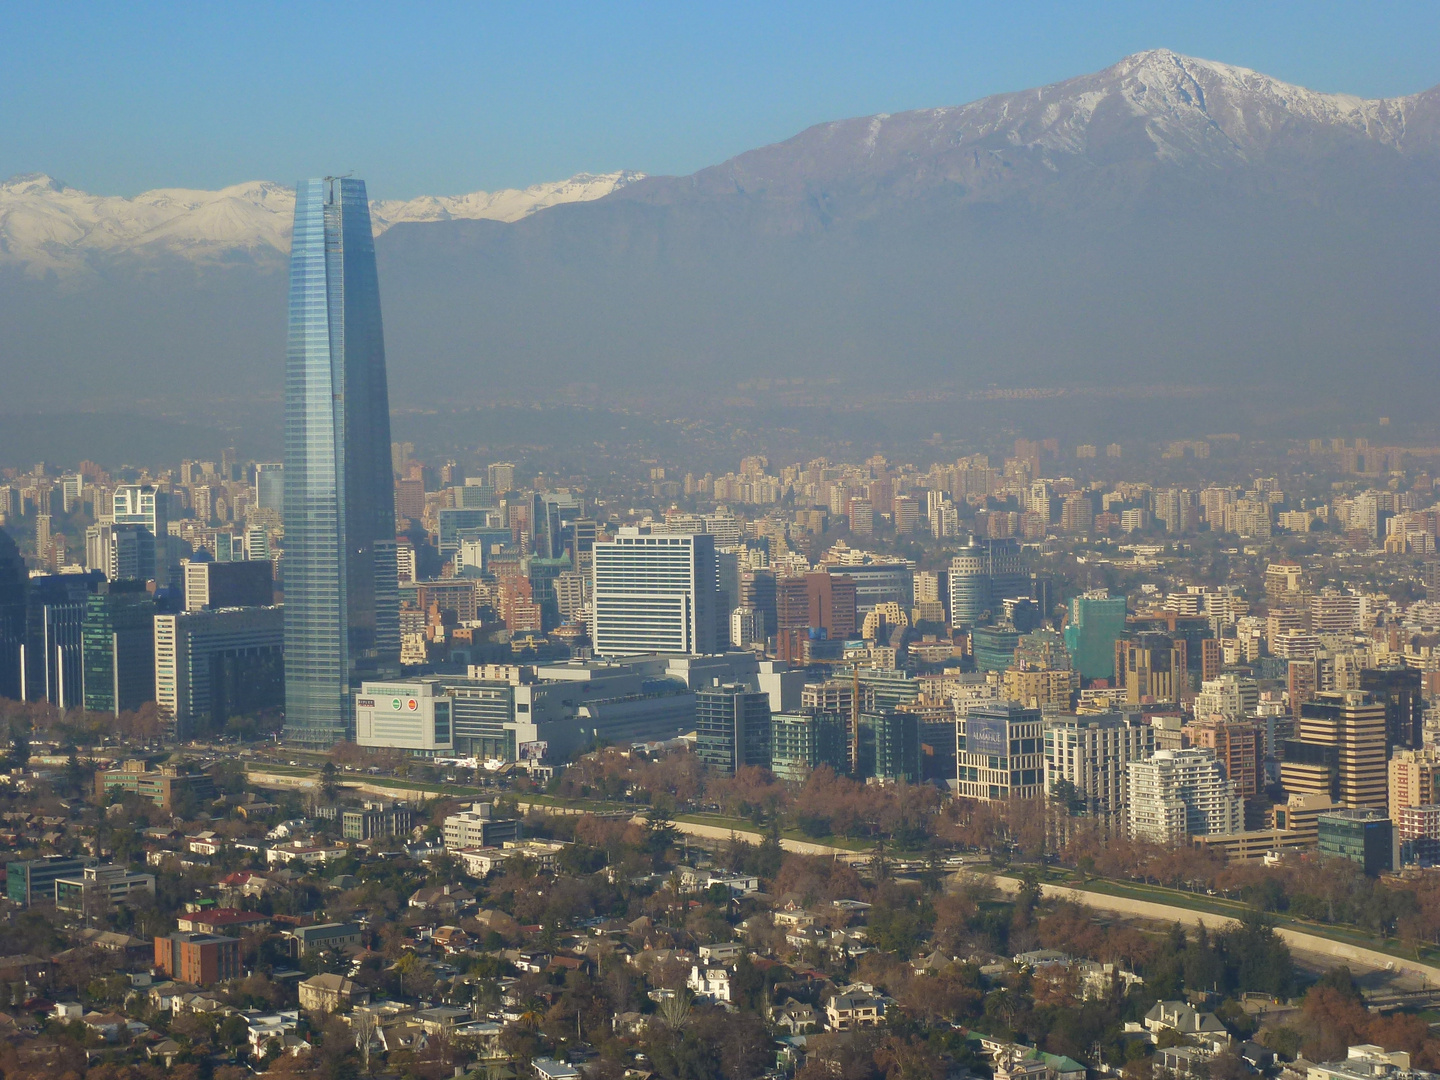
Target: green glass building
[[801, 742], [117, 643], [1096, 621]]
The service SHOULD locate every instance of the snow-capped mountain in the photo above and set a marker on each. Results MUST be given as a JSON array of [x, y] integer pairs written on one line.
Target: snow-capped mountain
[[1152, 108], [46, 225], [1165, 221]]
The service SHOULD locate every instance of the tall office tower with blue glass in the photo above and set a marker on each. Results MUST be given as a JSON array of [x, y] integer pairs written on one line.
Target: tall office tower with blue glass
[[342, 621]]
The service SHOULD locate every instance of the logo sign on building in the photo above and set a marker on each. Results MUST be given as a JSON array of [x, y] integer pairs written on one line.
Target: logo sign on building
[[411, 704], [365, 703], [987, 735]]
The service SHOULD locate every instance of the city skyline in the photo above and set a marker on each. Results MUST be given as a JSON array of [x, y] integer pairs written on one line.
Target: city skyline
[[899, 577]]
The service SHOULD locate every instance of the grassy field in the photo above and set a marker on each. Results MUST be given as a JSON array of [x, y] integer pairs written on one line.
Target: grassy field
[[744, 827], [1235, 909]]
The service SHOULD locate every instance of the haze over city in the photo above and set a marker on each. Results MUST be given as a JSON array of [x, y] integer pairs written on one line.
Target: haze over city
[[766, 543]]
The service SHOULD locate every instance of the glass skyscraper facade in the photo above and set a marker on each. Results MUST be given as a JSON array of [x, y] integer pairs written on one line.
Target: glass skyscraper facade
[[342, 623]]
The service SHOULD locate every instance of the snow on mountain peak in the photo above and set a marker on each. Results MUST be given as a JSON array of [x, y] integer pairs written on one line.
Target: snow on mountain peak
[[47, 226]]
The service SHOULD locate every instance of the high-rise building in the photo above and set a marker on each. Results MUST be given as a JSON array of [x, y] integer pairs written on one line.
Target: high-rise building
[[120, 552], [1230, 697], [1177, 794], [744, 630], [1353, 723], [270, 486], [801, 742], [53, 666], [994, 646], [732, 727], [502, 477], [1239, 747], [118, 647], [146, 506], [14, 584], [1151, 667], [654, 593], [819, 601], [1399, 689], [1097, 621], [1000, 752], [888, 746], [982, 577], [1091, 752], [1414, 779], [227, 584], [342, 623], [212, 665], [757, 591]]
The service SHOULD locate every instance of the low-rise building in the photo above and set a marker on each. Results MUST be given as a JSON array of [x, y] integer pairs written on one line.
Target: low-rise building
[[479, 827], [308, 939], [198, 958], [328, 993], [101, 888], [161, 785], [1369, 1062]]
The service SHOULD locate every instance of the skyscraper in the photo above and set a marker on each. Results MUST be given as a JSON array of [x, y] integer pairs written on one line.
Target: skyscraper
[[14, 583], [655, 593], [983, 575], [117, 647], [1096, 620], [144, 506], [342, 623]]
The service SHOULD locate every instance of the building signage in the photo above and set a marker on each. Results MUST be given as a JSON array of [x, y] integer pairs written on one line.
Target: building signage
[[987, 735]]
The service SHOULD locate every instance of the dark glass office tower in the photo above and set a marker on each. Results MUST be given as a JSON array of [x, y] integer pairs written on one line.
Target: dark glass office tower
[[14, 584], [342, 622]]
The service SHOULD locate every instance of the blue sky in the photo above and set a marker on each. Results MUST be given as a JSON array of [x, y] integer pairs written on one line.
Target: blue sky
[[442, 99]]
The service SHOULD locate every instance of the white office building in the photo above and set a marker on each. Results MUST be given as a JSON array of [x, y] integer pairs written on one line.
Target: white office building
[[655, 593], [1177, 794], [413, 716], [743, 627]]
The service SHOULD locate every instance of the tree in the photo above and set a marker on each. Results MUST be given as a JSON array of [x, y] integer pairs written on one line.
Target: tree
[[660, 832]]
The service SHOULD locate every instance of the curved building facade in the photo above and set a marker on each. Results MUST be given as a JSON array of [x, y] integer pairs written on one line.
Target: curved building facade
[[342, 622]]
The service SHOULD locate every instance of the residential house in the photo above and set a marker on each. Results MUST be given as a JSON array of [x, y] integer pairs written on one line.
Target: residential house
[[268, 1028], [795, 1017], [710, 984], [443, 899], [1204, 1029], [855, 1006], [550, 1069]]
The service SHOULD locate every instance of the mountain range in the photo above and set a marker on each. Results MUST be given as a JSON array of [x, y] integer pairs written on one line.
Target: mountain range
[[47, 226], [1165, 223]]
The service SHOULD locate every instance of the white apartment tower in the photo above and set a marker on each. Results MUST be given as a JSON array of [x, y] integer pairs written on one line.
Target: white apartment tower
[[1178, 794]]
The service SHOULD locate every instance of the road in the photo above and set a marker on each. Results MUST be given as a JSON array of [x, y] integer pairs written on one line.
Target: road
[[1325, 951]]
